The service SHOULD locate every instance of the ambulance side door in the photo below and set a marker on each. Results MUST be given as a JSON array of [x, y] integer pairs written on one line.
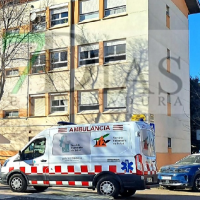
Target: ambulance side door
[[34, 161]]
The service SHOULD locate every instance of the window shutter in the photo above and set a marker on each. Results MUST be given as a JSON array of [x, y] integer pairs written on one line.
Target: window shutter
[[58, 11], [116, 98], [89, 6], [39, 106], [89, 98], [114, 3], [89, 47], [116, 42], [59, 97]]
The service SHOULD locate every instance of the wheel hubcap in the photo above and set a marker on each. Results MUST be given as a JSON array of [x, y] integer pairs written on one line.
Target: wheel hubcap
[[197, 183], [107, 188], [16, 183]]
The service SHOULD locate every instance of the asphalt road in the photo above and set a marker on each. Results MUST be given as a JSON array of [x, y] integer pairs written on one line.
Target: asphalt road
[[83, 194]]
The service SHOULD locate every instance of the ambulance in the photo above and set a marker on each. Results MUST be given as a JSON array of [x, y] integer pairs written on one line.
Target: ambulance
[[114, 158]]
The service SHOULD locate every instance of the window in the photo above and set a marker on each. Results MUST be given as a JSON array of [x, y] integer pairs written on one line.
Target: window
[[12, 72], [38, 106], [169, 105], [168, 98], [13, 31], [115, 51], [167, 11], [115, 99], [59, 16], [34, 150], [58, 103], [12, 2], [39, 24], [39, 62], [88, 101], [167, 17], [58, 59], [169, 142], [113, 7], [89, 9], [89, 54], [10, 114], [168, 54]]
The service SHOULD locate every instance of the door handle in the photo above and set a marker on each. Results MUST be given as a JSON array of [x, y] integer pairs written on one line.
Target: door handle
[[43, 160]]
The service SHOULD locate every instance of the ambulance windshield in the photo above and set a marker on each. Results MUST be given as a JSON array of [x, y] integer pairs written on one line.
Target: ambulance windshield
[[147, 142]]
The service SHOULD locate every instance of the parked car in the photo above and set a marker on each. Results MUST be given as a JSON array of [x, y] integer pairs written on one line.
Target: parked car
[[183, 174]]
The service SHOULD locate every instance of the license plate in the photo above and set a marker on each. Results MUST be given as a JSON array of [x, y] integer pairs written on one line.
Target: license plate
[[149, 180], [167, 181], [166, 177]]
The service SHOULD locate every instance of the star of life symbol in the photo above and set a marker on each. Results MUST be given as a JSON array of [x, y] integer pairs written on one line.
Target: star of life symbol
[[127, 166]]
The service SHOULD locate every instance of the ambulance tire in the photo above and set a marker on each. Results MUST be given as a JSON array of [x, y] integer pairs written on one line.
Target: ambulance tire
[[40, 188], [127, 193], [108, 186], [17, 183]]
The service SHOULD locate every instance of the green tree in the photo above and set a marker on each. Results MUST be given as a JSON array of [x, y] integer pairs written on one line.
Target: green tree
[[194, 111]]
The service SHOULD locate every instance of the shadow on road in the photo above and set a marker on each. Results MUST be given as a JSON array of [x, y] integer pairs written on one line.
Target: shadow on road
[[70, 194]]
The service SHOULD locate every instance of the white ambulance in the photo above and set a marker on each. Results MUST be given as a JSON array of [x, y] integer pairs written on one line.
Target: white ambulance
[[116, 158]]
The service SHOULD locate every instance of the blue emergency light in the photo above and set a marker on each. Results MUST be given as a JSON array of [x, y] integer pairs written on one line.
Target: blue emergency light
[[65, 123]]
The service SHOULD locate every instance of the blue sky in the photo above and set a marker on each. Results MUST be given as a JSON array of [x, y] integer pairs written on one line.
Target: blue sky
[[194, 27]]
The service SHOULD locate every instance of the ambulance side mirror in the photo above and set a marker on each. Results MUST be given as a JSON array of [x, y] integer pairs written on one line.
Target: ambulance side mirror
[[20, 155]]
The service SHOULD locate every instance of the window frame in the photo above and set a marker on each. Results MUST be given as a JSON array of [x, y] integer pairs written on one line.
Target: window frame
[[89, 55], [32, 104], [12, 70], [11, 111], [38, 65], [88, 13], [65, 106], [12, 31], [167, 10], [88, 105], [168, 98], [169, 142], [114, 8], [60, 16], [115, 50], [59, 62], [168, 54]]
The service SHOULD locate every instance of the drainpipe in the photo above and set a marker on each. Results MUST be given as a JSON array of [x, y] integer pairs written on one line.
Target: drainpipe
[[72, 73]]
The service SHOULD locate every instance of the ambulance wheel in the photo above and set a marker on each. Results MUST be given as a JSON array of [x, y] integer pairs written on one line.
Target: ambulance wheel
[[17, 183], [40, 188], [127, 193], [108, 186]]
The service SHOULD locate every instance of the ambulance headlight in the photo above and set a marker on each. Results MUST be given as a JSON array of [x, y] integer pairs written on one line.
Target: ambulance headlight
[[5, 163]]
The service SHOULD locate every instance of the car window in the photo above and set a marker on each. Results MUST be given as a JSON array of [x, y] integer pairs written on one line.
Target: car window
[[191, 159], [35, 149]]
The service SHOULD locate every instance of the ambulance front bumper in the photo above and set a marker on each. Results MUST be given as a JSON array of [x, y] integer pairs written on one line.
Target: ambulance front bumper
[[3, 179], [133, 181]]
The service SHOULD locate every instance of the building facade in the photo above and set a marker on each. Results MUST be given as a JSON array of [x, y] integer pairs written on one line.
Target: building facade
[[97, 61]]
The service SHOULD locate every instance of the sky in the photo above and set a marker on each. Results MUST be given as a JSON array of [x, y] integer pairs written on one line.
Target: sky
[[194, 37]]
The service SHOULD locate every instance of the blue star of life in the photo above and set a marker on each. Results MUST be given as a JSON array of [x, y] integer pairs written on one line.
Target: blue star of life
[[127, 166]]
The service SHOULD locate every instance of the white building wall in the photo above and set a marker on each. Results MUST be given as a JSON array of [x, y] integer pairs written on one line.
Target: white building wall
[[176, 126]]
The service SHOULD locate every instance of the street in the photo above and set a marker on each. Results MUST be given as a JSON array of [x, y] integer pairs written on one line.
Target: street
[[59, 193]]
